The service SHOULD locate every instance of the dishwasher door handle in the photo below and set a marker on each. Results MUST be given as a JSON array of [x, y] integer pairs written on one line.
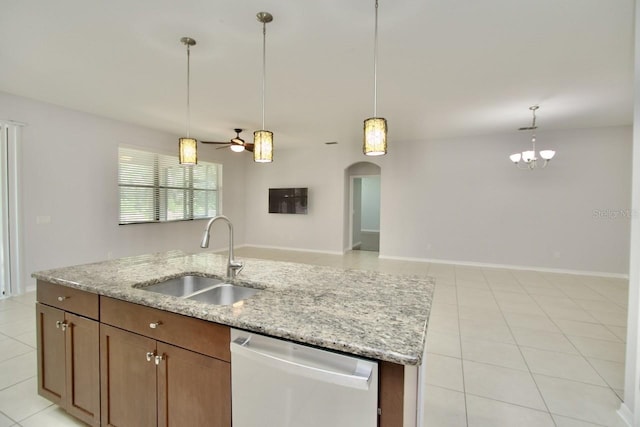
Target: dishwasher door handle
[[359, 380]]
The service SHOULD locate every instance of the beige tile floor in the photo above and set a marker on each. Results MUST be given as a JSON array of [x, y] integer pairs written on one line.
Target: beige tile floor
[[504, 347]]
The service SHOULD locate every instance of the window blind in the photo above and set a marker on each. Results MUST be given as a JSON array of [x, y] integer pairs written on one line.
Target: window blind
[[156, 188]]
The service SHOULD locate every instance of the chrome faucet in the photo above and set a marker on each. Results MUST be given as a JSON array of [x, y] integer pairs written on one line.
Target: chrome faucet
[[233, 266]]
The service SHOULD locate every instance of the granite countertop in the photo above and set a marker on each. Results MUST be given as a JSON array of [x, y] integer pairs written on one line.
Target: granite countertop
[[366, 313]]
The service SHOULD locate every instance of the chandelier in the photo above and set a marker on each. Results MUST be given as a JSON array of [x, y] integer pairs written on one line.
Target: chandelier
[[529, 157]]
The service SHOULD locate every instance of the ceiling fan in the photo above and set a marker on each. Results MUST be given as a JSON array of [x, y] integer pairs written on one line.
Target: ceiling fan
[[236, 144]]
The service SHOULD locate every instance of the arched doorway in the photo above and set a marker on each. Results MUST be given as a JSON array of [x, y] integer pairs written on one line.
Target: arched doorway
[[363, 206]]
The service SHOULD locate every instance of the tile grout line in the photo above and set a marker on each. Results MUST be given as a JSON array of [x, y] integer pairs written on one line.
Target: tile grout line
[[520, 350], [464, 386], [562, 332], [586, 359]]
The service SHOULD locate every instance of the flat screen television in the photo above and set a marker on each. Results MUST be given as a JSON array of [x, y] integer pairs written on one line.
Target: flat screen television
[[288, 200]]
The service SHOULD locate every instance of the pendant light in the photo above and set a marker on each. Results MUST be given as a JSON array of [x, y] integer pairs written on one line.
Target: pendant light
[[375, 128], [188, 147], [263, 139]]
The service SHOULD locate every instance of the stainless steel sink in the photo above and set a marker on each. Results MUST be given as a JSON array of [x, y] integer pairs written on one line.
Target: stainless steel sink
[[224, 294], [204, 289], [183, 286]]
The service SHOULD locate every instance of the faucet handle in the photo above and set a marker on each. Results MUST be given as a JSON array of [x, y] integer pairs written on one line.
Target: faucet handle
[[235, 267]]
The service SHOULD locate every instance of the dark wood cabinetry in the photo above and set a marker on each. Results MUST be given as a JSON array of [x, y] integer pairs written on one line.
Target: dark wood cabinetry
[[68, 355], [193, 389], [128, 378], [149, 382]]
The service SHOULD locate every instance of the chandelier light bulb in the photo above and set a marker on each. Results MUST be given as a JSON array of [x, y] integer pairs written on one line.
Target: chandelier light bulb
[[547, 154], [528, 156]]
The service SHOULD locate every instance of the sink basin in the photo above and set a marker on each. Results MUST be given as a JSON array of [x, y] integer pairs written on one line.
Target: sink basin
[[183, 286], [224, 294], [204, 289]]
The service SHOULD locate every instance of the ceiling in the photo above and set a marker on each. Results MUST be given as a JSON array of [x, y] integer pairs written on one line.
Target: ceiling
[[446, 68]]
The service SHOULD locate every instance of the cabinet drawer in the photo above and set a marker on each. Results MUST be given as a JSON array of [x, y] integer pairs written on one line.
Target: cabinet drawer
[[198, 335], [68, 299]]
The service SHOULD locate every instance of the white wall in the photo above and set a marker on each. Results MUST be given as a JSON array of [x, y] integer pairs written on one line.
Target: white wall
[[463, 200], [466, 201], [319, 169], [69, 173]]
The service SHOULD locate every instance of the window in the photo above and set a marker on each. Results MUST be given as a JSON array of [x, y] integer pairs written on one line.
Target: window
[[156, 188]]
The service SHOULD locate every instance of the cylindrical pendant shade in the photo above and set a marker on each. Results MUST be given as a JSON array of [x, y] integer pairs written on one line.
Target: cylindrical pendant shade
[[375, 136], [263, 146], [188, 148]]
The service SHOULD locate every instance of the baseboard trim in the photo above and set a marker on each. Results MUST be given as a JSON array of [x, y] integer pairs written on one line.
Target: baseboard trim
[[284, 248], [625, 415], [510, 267]]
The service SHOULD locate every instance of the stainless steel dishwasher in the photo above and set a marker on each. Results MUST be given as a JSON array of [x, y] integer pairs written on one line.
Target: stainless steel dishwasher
[[277, 383]]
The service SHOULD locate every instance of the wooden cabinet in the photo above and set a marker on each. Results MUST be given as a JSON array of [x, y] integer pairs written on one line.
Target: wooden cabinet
[[68, 352], [148, 382], [128, 378]]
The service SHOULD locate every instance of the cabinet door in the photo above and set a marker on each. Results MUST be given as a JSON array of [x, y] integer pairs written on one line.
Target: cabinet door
[[127, 379], [193, 389], [51, 365], [82, 339]]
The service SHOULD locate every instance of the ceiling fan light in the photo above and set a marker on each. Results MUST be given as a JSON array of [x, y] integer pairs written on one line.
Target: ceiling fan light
[[263, 146], [187, 148], [237, 148], [375, 136], [547, 154], [515, 158]]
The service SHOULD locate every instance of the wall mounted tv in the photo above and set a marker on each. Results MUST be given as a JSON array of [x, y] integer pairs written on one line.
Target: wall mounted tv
[[288, 200]]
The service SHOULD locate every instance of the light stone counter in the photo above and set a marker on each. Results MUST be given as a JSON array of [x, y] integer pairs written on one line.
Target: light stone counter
[[371, 314]]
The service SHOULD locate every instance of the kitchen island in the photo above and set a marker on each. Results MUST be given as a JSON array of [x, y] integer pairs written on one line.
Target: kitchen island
[[364, 313]]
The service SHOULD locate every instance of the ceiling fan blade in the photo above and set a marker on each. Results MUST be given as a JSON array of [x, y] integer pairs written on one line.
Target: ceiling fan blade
[[214, 142], [220, 148], [249, 147]]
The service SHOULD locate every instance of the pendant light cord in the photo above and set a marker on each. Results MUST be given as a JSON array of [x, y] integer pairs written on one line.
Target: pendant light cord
[[375, 64], [264, 67], [188, 89]]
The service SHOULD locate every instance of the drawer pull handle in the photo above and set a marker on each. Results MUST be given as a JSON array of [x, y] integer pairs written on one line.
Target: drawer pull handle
[[62, 298], [159, 358], [154, 325], [150, 355], [58, 323]]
